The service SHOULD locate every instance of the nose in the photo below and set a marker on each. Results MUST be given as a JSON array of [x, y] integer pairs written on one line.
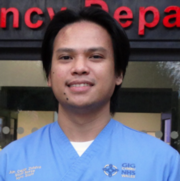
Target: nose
[[80, 67]]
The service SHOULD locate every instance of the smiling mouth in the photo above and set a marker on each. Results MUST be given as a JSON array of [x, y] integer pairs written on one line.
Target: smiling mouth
[[80, 85]]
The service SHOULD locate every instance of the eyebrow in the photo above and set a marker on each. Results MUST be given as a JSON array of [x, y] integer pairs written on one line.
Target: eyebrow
[[70, 50], [94, 49]]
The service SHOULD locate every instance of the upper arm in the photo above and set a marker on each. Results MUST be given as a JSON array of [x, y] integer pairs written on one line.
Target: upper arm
[[174, 174], [3, 165]]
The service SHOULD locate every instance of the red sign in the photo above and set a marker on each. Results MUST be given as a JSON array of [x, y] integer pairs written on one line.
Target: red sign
[[142, 20], [172, 13]]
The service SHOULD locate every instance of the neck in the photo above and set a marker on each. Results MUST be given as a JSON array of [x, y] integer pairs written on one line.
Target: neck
[[80, 126]]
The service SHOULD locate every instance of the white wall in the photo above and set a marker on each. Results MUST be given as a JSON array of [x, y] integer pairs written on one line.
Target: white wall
[[140, 121], [33, 119], [22, 73]]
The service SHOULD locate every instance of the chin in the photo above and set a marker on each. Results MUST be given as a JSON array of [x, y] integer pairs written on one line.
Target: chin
[[81, 105]]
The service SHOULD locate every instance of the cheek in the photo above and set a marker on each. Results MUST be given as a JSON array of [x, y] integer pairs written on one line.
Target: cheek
[[57, 72], [107, 71]]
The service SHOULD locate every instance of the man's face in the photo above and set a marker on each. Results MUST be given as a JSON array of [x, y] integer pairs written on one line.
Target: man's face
[[82, 72]]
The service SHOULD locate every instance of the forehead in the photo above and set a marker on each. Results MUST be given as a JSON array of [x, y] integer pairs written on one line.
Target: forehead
[[83, 34]]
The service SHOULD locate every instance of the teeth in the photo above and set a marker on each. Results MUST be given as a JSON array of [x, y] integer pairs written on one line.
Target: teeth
[[79, 85]]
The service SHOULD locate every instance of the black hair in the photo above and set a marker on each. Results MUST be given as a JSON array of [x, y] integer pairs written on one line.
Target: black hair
[[96, 15]]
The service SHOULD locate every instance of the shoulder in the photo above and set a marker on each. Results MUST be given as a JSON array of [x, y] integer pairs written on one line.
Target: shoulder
[[24, 150], [147, 152], [142, 141], [28, 141]]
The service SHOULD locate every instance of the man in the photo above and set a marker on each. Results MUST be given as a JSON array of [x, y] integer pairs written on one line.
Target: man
[[85, 57]]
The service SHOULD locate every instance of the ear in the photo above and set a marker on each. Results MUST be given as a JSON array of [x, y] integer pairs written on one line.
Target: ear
[[119, 79], [49, 80]]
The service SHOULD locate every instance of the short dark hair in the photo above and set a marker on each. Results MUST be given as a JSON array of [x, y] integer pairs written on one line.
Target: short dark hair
[[96, 15]]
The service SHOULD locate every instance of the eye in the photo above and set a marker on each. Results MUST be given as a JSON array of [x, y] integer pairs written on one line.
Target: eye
[[65, 57], [96, 56]]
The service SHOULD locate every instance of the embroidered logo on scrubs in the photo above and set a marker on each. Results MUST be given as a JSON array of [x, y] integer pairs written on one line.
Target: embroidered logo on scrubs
[[128, 170], [23, 173], [110, 170]]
